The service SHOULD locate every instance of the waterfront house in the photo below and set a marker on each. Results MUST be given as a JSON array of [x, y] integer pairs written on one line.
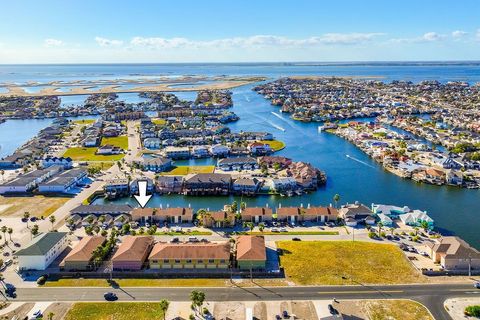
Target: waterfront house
[[81, 256], [251, 253], [132, 253], [246, 186], [257, 214], [157, 164], [169, 215], [167, 184], [101, 209], [416, 218], [218, 219], [200, 152], [207, 184], [29, 181], [219, 150], [319, 214], [356, 213], [259, 148], [237, 164], [282, 184], [289, 214], [42, 251], [134, 186], [453, 253], [91, 141], [389, 210], [385, 220], [116, 188], [177, 152], [199, 255], [275, 161]]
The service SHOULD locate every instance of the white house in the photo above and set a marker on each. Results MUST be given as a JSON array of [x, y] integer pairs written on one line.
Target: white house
[[219, 150], [152, 143], [67, 162], [42, 251]]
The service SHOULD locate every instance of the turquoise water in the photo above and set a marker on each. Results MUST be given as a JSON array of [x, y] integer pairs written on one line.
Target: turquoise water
[[454, 210]]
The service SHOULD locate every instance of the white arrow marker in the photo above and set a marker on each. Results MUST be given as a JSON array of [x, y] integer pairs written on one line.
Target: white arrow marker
[[142, 198]]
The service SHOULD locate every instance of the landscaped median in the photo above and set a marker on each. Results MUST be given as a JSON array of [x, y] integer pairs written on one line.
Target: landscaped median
[[117, 311], [82, 282], [345, 262], [289, 233]]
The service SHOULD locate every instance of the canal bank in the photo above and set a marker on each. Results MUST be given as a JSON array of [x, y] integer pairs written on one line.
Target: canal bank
[[355, 178]]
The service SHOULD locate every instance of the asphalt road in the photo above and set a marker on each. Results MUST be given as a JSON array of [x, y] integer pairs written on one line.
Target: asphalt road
[[432, 296]]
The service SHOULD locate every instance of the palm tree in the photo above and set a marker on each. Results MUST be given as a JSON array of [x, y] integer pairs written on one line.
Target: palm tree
[[26, 216], [34, 230], [197, 297], [164, 304], [261, 226], [10, 231], [50, 315], [391, 230], [52, 220], [379, 225], [336, 198], [4, 230]]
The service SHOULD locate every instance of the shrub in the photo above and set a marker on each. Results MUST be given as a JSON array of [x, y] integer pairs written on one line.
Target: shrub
[[205, 311], [372, 235], [473, 311], [41, 281]]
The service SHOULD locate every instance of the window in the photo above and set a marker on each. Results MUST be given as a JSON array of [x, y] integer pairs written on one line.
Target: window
[[222, 261], [154, 261], [211, 261], [200, 261], [166, 261], [189, 261], [177, 261]]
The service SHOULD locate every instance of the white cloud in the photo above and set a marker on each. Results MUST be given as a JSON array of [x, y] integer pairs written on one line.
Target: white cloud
[[457, 34], [103, 42], [52, 42], [257, 41], [426, 37]]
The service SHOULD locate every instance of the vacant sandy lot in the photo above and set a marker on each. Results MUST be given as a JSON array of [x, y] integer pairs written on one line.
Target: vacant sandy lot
[[36, 205]]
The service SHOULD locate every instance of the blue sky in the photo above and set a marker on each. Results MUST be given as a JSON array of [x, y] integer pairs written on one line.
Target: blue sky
[[88, 31]]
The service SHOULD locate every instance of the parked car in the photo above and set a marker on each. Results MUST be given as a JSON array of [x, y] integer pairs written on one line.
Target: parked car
[[175, 240], [110, 296], [296, 239], [37, 314], [285, 314], [283, 230], [193, 239], [275, 230], [477, 284]]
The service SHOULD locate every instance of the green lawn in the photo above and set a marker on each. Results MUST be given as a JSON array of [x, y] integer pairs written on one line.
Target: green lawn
[[325, 262], [276, 145], [120, 141], [88, 154], [114, 311], [184, 170]]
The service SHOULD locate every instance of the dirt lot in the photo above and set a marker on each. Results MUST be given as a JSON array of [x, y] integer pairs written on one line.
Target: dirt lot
[[58, 309], [36, 205]]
